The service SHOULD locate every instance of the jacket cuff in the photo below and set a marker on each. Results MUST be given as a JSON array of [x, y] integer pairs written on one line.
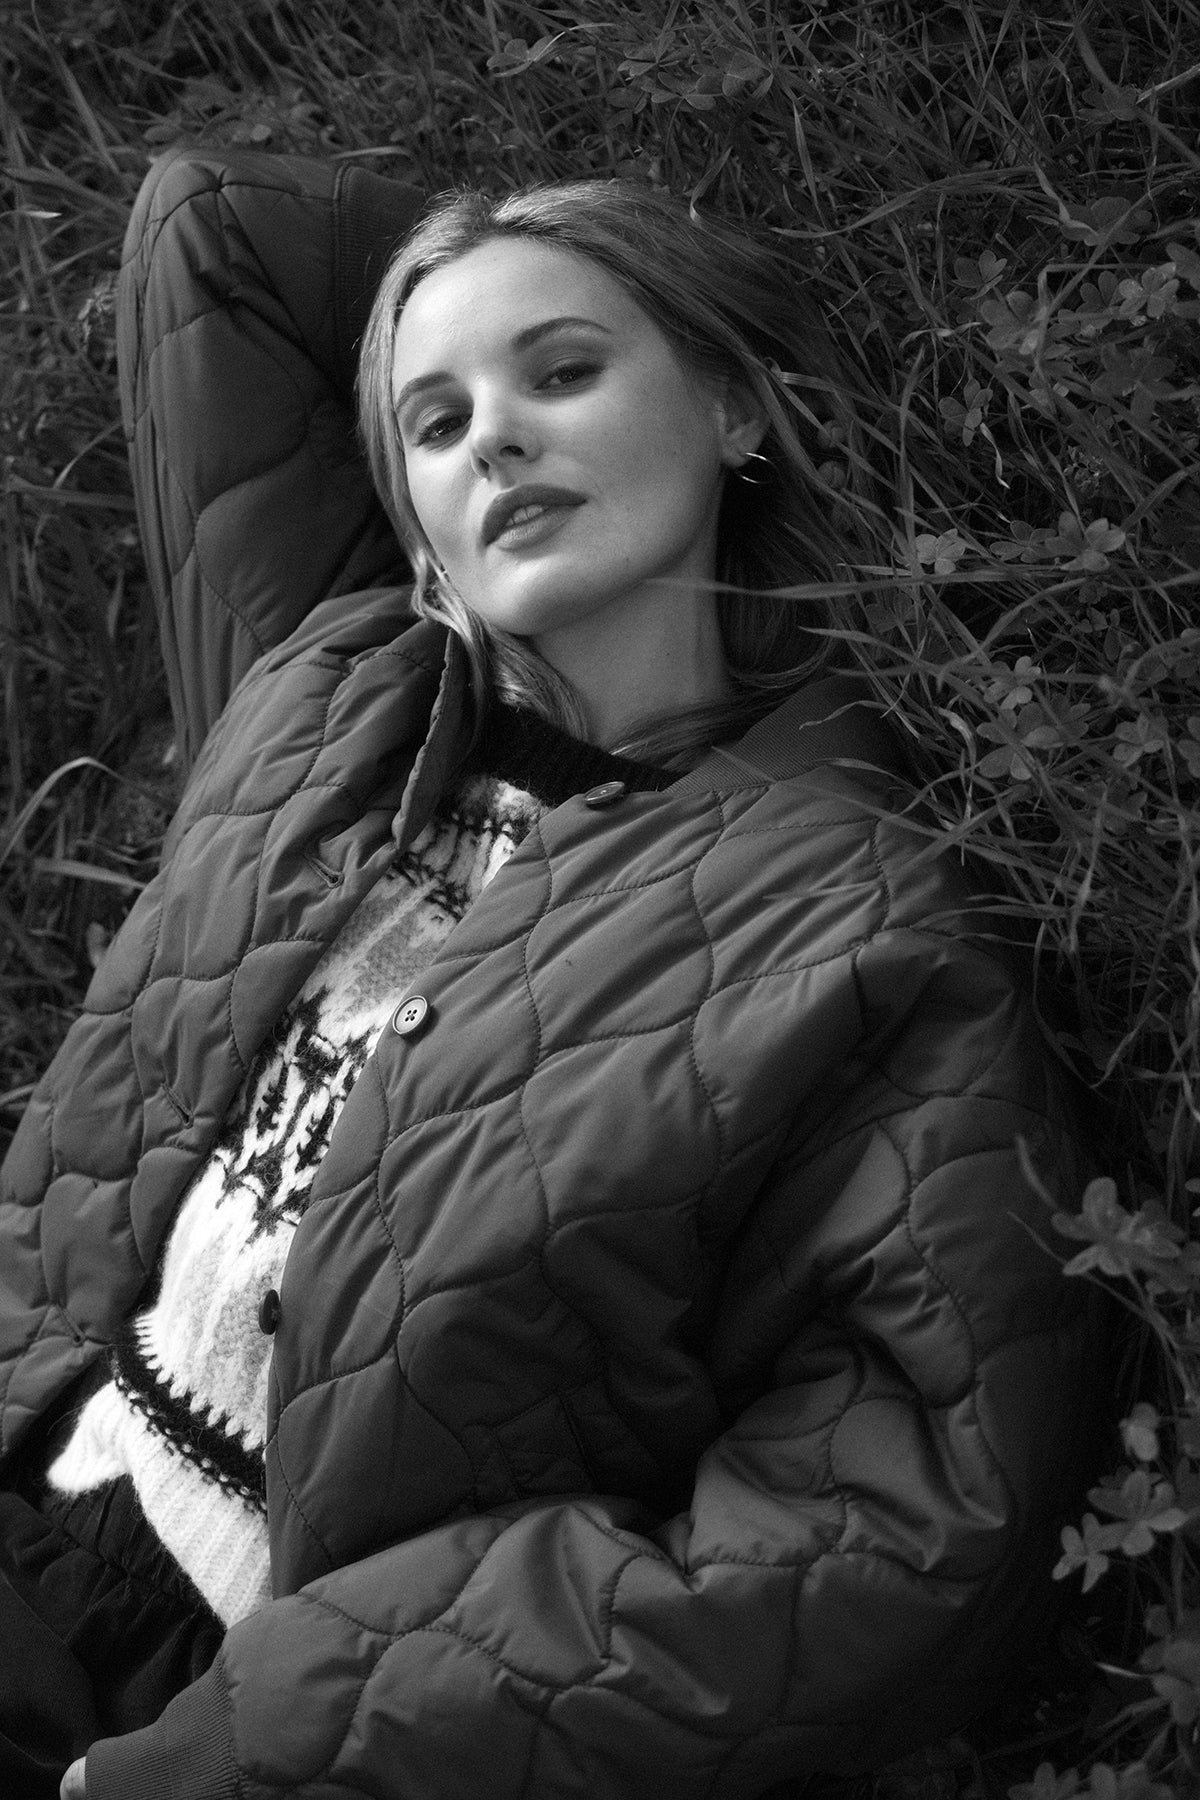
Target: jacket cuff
[[186, 1754]]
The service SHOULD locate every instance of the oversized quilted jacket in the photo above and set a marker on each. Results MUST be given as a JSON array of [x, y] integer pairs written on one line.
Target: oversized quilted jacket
[[673, 1394]]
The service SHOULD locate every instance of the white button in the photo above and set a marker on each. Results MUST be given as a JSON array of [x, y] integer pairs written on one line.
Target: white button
[[410, 1015]]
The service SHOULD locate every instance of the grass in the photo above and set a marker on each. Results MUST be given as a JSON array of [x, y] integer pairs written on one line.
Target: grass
[[998, 207]]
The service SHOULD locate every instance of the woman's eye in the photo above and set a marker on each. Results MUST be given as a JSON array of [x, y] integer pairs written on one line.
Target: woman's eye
[[437, 429], [567, 374]]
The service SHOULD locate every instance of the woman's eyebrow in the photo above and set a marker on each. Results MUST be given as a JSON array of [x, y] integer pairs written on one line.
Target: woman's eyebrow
[[524, 340], [533, 334]]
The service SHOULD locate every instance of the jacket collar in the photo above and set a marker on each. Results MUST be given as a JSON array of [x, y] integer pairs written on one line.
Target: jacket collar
[[446, 740], [826, 723]]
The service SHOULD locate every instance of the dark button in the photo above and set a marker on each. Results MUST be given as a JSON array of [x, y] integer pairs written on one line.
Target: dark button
[[410, 1015], [607, 794], [268, 1312]]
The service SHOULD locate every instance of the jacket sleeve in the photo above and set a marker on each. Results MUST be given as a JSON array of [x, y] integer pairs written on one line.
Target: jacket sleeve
[[246, 279], [867, 1545], [575, 1649]]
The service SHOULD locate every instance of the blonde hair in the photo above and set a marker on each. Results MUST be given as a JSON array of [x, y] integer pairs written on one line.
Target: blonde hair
[[732, 308]]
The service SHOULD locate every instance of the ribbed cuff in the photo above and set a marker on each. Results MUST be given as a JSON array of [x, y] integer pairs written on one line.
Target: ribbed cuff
[[187, 1754]]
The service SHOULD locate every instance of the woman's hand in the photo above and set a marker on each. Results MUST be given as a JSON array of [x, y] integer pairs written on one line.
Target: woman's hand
[[74, 1782]]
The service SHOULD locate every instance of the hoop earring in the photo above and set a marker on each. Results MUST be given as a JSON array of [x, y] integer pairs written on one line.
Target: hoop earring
[[753, 480]]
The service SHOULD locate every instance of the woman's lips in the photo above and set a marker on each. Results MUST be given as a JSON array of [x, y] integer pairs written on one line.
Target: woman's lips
[[519, 509], [531, 524]]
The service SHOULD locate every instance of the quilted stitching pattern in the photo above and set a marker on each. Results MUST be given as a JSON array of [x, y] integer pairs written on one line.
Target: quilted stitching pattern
[[203, 964], [196, 294], [718, 1033], [717, 1210], [809, 1340]]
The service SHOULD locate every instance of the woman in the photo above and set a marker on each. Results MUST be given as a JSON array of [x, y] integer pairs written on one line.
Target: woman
[[667, 1390]]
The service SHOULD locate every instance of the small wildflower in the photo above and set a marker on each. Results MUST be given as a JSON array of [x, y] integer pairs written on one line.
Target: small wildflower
[[979, 272], [943, 551], [1139, 737], [1086, 545], [1139, 1433], [1145, 1508], [1010, 687], [965, 417], [1108, 220], [1086, 1550], [1173, 1663], [1017, 322], [1149, 296], [1047, 1785]]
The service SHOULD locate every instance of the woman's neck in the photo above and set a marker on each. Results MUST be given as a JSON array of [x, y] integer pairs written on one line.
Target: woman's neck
[[653, 661]]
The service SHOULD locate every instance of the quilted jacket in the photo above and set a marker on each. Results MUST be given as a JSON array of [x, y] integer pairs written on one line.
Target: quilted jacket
[[673, 1394]]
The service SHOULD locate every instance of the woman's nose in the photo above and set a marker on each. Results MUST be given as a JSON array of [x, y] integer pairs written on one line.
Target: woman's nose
[[500, 433]]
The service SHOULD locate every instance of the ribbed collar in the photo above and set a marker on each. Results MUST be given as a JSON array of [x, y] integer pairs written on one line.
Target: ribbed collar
[[525, 750]]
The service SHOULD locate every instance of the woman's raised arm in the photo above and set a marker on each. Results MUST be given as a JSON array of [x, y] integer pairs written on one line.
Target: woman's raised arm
[[245, 283]]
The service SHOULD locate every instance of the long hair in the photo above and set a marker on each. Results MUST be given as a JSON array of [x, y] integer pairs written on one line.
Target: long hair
[[732, 308]]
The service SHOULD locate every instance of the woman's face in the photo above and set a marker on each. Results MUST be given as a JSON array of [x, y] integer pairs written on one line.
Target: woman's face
[[563, 462]]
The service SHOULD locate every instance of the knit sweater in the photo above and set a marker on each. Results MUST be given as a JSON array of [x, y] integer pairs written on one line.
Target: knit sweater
[[183, 1413]]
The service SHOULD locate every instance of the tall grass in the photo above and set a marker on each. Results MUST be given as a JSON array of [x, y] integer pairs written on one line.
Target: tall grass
[[998, 209]]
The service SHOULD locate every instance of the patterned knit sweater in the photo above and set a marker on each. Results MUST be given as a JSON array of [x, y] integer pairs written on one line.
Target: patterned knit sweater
[[183, 1413]]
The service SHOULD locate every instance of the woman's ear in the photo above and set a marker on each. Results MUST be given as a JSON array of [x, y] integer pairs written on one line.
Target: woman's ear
[[741, 423]]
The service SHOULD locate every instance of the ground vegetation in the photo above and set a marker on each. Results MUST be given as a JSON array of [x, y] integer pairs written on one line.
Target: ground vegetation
[[997, 208]]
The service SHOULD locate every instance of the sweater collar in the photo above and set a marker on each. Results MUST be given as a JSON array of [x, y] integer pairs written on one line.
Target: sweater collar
[[528, 752], [828, 721]]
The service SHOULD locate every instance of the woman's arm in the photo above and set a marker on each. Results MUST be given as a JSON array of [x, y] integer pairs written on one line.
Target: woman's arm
[[807, 1614], [245, 283]]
